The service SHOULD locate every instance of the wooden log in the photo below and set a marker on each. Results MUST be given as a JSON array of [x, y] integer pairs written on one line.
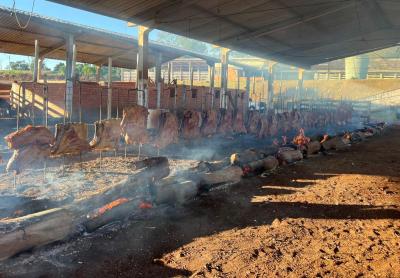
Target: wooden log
[[336, 143], [246, 156], [176, 192], [25, 233], [313, 147], [231, 174], [255, 167], [290, 156]]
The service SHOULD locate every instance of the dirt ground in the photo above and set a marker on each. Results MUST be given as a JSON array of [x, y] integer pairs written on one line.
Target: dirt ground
[[328, 216]]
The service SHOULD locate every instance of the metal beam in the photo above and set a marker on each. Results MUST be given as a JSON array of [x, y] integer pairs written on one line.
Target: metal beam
[[52, 49], [36, 62], [283, 25]]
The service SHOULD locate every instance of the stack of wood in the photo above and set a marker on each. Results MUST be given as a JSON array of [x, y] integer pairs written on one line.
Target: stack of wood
[[31, 147]]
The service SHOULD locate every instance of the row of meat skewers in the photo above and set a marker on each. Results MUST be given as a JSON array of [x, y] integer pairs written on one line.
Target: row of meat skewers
[[34, 144]]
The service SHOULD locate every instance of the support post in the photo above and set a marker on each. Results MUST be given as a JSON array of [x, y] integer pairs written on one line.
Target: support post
[[211, 76], [224, 77], [40, 68], [109, 95], [69, 78], [300, 82], [271, 85], [158, 79], [191, 75], [247, 94], [142, 69], [98, 72], [36, 62]]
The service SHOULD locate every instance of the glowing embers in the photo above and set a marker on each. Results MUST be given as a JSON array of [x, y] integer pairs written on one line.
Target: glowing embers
[[100, 211]]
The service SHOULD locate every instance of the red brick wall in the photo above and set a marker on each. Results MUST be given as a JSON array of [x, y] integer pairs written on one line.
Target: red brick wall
[[91, 96]]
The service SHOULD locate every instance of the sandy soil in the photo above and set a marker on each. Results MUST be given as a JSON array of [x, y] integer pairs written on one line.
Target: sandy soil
[[329, 216]]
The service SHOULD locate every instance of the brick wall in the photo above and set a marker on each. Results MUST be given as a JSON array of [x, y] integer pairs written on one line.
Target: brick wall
[[92, 97]]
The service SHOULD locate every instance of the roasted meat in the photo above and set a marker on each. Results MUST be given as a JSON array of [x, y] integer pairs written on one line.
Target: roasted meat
[[210, 123], [28, 157], [168, 131], [29, 135], [134, 125], [71, 138], [191, 122], [107, 134]]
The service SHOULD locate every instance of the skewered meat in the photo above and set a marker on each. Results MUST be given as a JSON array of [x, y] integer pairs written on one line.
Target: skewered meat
[[106, 135], [169, 130], [191, 120], [226, 123], [264, 127], [154, 119], [134, 124], [29, 135], [238, 124], [273, 127], [70, 139], [254, 121], [31, 156], [210, 123]]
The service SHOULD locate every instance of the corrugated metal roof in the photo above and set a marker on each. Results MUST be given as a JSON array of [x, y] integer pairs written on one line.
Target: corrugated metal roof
[[301, 32], [94, 46]]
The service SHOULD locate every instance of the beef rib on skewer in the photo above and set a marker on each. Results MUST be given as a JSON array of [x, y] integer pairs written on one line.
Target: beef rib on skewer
[[191, 120], [238, 124], [226, 123], [106, 135], [29, 135], [31, 156], [168, 131], [134, 125], [210, 123], [71, 138]]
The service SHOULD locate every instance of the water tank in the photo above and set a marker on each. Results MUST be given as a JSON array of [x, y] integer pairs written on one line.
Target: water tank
[[357, 67]]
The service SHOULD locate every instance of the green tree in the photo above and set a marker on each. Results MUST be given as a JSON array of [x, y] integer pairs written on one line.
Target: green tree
[[59, 69], [19, 65]]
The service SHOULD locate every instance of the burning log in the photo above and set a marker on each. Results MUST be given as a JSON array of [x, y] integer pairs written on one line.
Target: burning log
[[288, 156], [231, 174], [29, 135], [336, 143], [34, 230], [313, 147], [70, 139], [245, 157], [107, 135], [205, 166], [172, 192], [269, 163]]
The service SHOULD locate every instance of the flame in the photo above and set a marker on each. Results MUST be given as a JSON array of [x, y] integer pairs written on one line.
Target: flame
[[109, 206], [326, 137], [145, 205], [301, 139]]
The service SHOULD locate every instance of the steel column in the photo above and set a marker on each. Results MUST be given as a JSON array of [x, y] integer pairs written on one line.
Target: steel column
[[36, 62], [224, 77], [109, 95], [211, 76], [142, 69], [69, 92]]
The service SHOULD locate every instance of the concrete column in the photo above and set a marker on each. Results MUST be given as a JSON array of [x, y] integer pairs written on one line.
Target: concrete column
[[247, 95], [191, 75], [300, 82], [142, 69], [181, 73], [69, 77], [158, 79], [98, 73], [211, 76], [73, 72], [169, 72], [40, 68], [109, 95], [224, 77], [36, 62], [198, 74], [271, 85]]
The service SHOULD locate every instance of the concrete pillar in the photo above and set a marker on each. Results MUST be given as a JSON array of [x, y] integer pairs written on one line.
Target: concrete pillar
[[198, 74], [247, 95], [158, 79], [36, 62], [211, 76], [40, 68], [142, 69], [69, 77], [270, 93], [98, 73], [169, 72], [190, 75], [109, 94], [181, 73], [224, 77], [300, 82]]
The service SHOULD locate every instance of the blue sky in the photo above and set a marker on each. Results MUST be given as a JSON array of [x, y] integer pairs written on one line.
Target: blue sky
[[51, 9]]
